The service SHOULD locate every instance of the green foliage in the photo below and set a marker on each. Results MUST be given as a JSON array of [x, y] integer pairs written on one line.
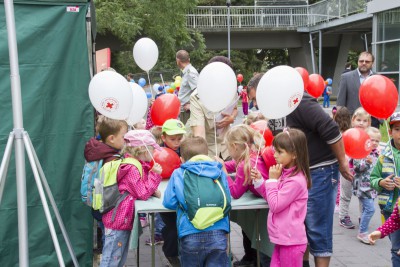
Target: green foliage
[[162, 21]]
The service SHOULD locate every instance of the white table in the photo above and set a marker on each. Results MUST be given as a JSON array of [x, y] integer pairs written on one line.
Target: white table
[[153, 205]]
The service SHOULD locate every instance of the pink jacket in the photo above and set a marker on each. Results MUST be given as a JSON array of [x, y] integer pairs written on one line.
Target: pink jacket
[[129, 179], [287, 200], [236, 187]]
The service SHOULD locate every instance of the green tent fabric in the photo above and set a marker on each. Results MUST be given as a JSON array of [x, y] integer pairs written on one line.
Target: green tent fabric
[[55, 74]]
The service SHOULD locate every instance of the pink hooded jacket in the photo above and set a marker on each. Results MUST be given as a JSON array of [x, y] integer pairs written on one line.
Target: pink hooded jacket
[[236, 187], [287, 200]]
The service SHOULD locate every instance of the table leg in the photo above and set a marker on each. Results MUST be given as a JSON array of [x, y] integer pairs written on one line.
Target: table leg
[[153, 247], [258, 238], [137, 249]]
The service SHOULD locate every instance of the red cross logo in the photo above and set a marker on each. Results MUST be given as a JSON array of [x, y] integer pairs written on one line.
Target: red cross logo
[[295, 101], [109, 105]]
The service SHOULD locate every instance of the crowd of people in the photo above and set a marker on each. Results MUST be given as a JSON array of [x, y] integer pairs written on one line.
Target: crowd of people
[[300, 183]]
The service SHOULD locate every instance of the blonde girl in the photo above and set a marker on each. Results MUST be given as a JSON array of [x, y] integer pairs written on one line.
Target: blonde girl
[[243, 143], [362, 120], [139, 185]]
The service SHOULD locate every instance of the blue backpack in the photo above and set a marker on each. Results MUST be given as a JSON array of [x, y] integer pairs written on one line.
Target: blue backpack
[[90, 173]]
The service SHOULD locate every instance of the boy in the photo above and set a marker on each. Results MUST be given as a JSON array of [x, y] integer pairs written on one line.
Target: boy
[[209, 245], [385, 180], [106, 146], [172, 137]]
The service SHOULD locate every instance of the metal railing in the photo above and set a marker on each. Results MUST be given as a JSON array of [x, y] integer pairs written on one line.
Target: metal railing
[[279, 17]]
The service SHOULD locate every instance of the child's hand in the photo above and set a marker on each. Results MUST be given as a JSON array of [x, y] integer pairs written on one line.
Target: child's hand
[[275, 171], [218, 159], [157, 168], [255, 174], [369, 160], [372, 237], [387, 183], [396, 181], [157, 193]]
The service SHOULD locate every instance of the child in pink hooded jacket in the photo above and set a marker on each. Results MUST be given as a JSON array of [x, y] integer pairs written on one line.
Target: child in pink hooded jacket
[[243, 143], [286, 192]]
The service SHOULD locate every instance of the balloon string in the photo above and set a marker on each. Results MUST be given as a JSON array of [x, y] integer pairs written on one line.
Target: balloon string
[[162, 80], [215, 137], [151, 89], [259, 147], [391, 148], [141, 139]]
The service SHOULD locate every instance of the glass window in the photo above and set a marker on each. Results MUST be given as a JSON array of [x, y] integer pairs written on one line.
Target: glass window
[[388, 25], [387, 57]]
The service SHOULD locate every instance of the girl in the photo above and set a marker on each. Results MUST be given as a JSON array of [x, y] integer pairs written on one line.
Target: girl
[[286, 193], [361, 119], [243, 143], [139, 144], [342, 117], [362, 185]]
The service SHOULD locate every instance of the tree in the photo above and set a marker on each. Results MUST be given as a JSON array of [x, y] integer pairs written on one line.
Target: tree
[[162, 21]]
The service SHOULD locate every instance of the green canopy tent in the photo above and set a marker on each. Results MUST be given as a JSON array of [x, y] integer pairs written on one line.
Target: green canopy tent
[[54, 41]]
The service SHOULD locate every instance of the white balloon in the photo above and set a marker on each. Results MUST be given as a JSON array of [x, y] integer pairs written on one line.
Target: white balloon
[[155, 87], [110, 94], [216, 86], [145, 53], [139, 104], [279, 92]]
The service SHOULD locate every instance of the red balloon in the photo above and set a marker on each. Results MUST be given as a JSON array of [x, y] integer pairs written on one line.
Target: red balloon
[[379, 96], [357, 143], [168, 159], [304, 74], [260, 126], [316, 85], [268, 156], [239, 78], [164, 108]]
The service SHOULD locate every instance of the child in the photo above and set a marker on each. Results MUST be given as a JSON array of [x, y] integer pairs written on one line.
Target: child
[[206, 247], [361, 119], [342, 117], [139, 144], [141, 125], [253, 117], [172, 136], [286, 193], [243, 143], [106, 145], [245, 101], [386, 182], [327, 94], [362, 186]]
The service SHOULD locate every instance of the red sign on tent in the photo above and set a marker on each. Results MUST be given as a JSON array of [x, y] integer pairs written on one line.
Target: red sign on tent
[[103, 59]]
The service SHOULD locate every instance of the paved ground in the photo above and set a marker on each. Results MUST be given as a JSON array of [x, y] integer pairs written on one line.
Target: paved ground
[[348, 251]]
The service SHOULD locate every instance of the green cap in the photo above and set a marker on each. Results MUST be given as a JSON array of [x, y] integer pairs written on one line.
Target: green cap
[[173, 127]]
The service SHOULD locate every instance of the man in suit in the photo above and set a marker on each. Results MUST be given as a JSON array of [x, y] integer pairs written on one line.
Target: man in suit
[[351, 81]]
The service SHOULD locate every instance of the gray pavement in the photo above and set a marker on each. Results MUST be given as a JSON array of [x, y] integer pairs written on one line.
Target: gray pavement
[[348, 251]]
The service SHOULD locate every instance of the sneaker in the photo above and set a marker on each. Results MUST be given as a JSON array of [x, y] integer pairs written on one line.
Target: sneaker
[[346, 223], [363, 237], [143, 222], [157, 241], [244, 263]]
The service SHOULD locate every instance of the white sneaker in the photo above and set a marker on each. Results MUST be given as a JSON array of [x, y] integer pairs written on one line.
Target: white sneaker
[[363, 237]]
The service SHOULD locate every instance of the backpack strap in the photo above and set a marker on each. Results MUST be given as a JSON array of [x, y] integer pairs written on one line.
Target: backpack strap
[[122, 197]]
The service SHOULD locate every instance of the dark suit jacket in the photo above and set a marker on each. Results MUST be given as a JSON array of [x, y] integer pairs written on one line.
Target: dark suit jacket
[[348, 91]]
